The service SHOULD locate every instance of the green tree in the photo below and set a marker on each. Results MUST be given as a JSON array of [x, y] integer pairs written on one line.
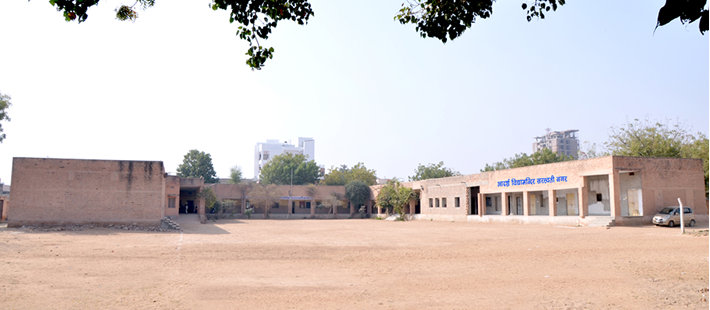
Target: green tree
[[544, 156], [395, 196], [210, 198], [358, 192], [646, 138], [441, 19], [432, 171], [197, 164], [4, 105], [235, 175], [343, 175], [265, 196], [278, 170]]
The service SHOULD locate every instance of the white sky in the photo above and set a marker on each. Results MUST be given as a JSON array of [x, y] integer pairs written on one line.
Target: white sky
[[366, 88]]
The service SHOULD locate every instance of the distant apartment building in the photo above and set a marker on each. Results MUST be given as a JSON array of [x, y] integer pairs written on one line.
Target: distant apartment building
[[560, 142], [265, 151]]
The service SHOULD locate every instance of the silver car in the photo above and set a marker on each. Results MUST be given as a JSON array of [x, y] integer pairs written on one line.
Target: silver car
[[670, 216]]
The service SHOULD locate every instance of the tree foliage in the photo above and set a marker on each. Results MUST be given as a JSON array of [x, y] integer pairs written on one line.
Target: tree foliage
[[210, 198], [264, 196], [257, 18], [358, 192], [278, 170], [544, 156], [333, 201], [343, 175], [394, 196], [441, 19], [646, 138], [4, 105], [197, 164], [235, 175], [432, 171]]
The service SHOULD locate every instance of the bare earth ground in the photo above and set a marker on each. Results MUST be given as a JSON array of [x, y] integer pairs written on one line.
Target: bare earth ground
[[354, 264]]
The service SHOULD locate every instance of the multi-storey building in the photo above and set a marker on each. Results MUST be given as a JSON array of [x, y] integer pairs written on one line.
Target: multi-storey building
[[265, 151], [560, 142]]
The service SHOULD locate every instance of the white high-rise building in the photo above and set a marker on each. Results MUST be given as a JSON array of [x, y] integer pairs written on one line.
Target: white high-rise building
[[560, 142], [265, 151]]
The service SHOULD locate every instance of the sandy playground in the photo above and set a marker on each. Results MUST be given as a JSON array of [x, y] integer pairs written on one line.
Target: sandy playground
[[355, 264]]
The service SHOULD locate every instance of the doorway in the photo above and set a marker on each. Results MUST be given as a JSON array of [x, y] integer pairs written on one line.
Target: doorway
[[473, 200], [189, 207]]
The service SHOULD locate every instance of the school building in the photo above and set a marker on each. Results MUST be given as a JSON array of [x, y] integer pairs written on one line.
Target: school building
[[613, 190]]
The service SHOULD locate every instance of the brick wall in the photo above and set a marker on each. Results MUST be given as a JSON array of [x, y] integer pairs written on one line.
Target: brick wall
[[62, 191]]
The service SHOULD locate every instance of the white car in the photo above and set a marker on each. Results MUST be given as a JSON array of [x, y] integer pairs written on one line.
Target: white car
[[670, 216]]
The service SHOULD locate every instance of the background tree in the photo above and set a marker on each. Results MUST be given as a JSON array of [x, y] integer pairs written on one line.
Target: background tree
[[265, 196], [4, 105], [197, 164], [235, 175], [343, 175], [210, 199], [646, 138], [395, 196], [278, 170], [432, 171], [333, 201], [441, 19], [358, 192], [544, 156]]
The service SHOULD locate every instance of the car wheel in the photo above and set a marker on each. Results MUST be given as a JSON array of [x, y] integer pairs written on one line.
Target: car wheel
[[692, 223], [671, 224]]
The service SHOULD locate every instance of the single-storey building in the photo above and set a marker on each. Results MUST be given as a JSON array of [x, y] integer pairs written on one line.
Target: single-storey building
[[622, 190], [612, 189]]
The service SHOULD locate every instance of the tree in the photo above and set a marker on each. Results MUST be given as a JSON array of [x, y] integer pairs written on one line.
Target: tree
[[235, 175], [432, 171], [544, 156], [395, 196], [646, 138], [279, 169], [333, 201], [197, 164], [358, 192], [441, 19], [210, 198], [343, 175], [4, 105], [265, 196], [256, 17]]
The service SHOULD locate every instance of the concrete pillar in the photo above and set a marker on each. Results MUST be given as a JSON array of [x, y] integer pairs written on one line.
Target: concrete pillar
[[379, 209], [614, 194], [481, 206], [504, 202], [583, 199], [412, 203], [552, 201], [352, 208], [526, 203]]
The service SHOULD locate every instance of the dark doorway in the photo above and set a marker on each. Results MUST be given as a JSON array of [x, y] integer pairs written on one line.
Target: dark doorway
[[189, 208], [417, 207], [473, 197]]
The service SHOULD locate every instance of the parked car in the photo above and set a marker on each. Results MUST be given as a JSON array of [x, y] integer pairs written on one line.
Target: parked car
[[670, 216]]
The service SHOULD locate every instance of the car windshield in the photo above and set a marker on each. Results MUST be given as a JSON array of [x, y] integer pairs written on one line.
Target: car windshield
[[666, 211]]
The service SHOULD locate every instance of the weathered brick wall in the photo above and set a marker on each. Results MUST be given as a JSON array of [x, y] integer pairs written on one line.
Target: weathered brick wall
[[172, 190], [61, 191]]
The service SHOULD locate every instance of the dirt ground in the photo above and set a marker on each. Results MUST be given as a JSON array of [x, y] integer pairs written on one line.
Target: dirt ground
[[354, 264]]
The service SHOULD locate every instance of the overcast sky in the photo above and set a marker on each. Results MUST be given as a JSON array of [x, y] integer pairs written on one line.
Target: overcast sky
[[366, 88]]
